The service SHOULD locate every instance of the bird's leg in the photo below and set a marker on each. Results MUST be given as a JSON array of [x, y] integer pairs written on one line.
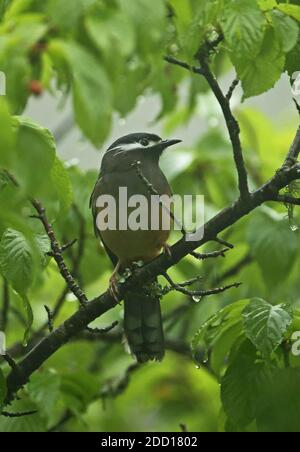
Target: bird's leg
[[113, 283], [167, 250]]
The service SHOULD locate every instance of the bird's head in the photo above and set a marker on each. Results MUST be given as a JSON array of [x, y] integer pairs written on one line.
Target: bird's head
[[135, 146]]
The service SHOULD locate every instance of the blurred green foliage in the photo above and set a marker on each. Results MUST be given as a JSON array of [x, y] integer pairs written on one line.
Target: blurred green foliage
[[105, 54]]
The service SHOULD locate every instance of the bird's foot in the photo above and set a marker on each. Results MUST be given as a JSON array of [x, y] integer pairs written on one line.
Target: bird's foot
[[113, 287], [167, 250]]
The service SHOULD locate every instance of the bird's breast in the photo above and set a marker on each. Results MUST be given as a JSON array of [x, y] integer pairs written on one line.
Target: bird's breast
[[142, 226]]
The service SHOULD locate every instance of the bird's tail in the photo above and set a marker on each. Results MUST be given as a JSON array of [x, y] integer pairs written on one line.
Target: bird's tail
[[143, 326]]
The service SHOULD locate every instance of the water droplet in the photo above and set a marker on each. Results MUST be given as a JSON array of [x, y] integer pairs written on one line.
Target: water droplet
[[196, 298]]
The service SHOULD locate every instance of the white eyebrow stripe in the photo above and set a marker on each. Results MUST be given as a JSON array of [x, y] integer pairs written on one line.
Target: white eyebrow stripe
[[132, 146]]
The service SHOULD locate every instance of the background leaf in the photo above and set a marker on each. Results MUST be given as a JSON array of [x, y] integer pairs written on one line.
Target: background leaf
[[265, 325]]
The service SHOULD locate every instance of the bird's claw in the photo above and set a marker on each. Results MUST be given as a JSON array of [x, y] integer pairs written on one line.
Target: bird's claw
[[167, 250], [113, 287]]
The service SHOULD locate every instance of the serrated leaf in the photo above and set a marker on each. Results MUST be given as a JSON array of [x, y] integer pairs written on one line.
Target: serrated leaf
[[243, 26], [265, 325], [16, 260], [259, 73]]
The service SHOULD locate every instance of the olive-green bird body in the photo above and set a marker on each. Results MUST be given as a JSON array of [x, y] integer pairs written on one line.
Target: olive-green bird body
[[142, 313]]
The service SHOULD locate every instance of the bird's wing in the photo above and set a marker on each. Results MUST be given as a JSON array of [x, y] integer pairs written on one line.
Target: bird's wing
[[96, 193]]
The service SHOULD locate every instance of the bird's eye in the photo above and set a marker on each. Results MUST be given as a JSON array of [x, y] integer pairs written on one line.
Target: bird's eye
[[144, 142]]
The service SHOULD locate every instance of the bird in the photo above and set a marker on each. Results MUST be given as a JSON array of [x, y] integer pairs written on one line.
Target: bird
[[142, 312]]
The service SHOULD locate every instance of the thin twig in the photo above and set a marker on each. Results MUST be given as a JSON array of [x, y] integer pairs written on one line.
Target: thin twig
[[232, 87], [197, 293], [50, 318], [224, 243], [57, 255], [172, 60], [64, 247], [213, 254]]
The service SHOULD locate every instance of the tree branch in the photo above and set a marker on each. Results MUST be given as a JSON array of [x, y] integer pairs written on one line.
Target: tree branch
[[294, 151], [196, 293], [232, 126], [172, 60], [57, 254]]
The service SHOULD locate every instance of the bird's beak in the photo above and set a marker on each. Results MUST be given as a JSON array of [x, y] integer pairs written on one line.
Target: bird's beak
[[168, 143]]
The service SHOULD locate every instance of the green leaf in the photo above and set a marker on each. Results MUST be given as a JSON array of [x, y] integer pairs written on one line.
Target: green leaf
[[91, 90], [65, 15], [3, 389], [29, 317], [43, 247], [292, 60], [243, 26], [240, 384], [265, 325], [18, 263], [225, 326], [259, 73], [278, 403], [290, 10], [108, 28], [7, 138], [16, 260], [286, 30], [34, 144], [144, 18], [265, 230], [44, 390], [62, 185], [27, 424], [266, 5], [17, 70], [17, 7]]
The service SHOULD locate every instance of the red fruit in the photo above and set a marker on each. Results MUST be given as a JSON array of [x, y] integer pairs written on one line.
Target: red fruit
[[36, 88]]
